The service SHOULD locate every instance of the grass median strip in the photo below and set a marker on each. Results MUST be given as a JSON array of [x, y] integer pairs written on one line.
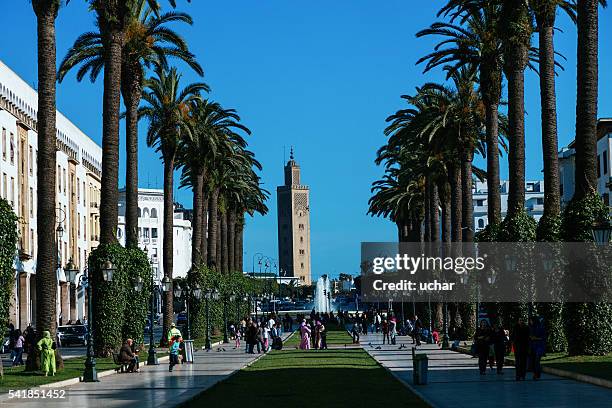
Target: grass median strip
[[300, 378]]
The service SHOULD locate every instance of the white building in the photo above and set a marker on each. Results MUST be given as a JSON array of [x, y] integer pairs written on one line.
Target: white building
[[567, 165], [151, 231], [78, 193], [534, 201]]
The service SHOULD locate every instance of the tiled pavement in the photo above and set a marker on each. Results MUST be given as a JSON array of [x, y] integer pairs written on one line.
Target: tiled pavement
[[454, 381]]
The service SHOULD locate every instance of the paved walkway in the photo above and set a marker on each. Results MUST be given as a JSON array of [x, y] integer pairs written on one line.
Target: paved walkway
[[454, 381], [154, 386]]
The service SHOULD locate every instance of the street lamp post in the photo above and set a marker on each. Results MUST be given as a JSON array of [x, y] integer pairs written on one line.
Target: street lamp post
[[601, 232], [210, 294], [90, 374]]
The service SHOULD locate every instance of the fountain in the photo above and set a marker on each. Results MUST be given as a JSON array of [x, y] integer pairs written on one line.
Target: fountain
[[322, 291]]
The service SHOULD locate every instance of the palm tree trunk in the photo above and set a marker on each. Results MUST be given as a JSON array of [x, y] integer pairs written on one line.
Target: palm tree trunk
[[240, 242], [224, 241], [548, 97], [516, 145], [212, 228], [434, 214], [132, 91], [491, 81], [467, 214], [231, 240], [456, 202], [168, 244], [586, 100], [109, 194], [427, 237], [196, 239], [218, 260], [445, 202], [493, 182], [204, 225], [46, 262]]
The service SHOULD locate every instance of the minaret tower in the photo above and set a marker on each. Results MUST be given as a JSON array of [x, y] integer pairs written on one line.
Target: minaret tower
[[293, 201]]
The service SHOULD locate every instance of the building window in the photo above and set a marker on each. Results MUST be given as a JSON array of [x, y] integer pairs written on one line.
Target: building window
[[119, 233], [4, 178], [146, 233], [480, 223], [65, 180], [31, 161], [598, 166], [539, 201], [4, 144], [302, 252], [153, 231], [145, 213], [12, 151], [153, 214], [479, 203], [59, 179], [78, 190], [12, 192], [605, 162], [301, 240], [139, 212], [302, 265], [84, 227], [31, 202]]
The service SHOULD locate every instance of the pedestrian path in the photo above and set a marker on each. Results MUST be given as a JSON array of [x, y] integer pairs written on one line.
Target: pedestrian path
[[154, 386], [454, 381]]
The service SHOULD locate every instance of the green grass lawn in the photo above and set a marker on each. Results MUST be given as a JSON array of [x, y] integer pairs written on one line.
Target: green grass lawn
[[307, 378], [16, 378], [336, 335], [596, 366]]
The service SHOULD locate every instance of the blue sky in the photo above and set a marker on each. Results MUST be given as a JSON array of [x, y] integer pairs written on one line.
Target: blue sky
[[321, 76]]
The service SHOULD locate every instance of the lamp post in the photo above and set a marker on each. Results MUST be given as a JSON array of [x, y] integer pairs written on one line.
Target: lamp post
[[165, 286], [210, 294], [108, 269], [187, 293], [445, 343], [601, 232]]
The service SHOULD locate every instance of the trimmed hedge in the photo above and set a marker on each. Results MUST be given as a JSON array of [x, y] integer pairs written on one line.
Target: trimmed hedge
[[519, 227], [8, 251], [118, 312]]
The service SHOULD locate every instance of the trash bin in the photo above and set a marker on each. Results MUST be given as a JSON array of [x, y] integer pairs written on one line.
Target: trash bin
[[419, 369], [188, 344]]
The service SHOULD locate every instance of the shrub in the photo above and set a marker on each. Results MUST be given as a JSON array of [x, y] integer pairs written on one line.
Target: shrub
[[8, 245]]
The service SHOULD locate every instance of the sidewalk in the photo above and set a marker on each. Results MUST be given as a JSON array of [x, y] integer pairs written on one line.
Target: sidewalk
[[154, 386], [454, 381]]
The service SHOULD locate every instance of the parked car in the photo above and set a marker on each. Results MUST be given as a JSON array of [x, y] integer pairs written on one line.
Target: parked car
[[73, 334]]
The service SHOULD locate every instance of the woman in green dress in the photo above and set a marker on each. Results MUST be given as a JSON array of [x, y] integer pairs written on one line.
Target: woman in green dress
[[47, 353]]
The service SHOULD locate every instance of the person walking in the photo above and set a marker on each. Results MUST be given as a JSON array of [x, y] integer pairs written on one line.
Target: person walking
[[520, 342], [305, 335], [417, 329], [537, 345], [175, 345], [251, 337], [482, 340], [173, 332], [323, 337], [385, 331], [499, 341], [46, 347], [355, 332], [18, 349]]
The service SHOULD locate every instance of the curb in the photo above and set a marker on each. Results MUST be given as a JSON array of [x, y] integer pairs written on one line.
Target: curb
[[600, 382]]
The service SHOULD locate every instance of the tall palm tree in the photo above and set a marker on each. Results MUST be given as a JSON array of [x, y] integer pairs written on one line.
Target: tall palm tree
[[148, 40], [167, 110], [515, 31], [586, 100], [113, 17], [545, 12], [46, 260], [475, 42]]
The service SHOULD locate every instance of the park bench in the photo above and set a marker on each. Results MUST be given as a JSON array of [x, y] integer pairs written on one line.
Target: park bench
[[120, 366]]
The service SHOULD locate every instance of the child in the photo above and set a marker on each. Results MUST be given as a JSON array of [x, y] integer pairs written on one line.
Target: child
[[237, 334], [175, 345]]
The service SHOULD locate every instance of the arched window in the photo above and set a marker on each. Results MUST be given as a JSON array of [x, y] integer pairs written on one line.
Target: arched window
[[119, 233], [153, 212], [139, 212], [480, 223], [145, 213]]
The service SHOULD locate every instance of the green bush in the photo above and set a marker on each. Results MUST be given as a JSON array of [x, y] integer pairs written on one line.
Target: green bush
[[118, 312], [549, 229], [8, 245], [588, 325], [489, 234], [519, 227]]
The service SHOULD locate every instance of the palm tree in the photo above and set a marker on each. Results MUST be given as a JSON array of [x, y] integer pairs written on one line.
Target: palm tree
[[148, 40], [46, 280], [168, 112], [113, 17], [515, 31], [477, 44], [212, 135], [586, 100], [545, 12]]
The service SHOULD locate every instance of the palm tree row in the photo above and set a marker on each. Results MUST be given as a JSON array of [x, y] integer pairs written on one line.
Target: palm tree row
[[132, 48], [428, 156]]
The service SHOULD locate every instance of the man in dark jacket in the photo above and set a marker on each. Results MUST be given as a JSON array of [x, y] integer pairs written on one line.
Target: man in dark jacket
[[520, 341], [126, 355], [499, 340]]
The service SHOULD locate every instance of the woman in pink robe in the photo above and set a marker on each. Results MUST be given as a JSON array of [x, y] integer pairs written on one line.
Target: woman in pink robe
[[305, 333]]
